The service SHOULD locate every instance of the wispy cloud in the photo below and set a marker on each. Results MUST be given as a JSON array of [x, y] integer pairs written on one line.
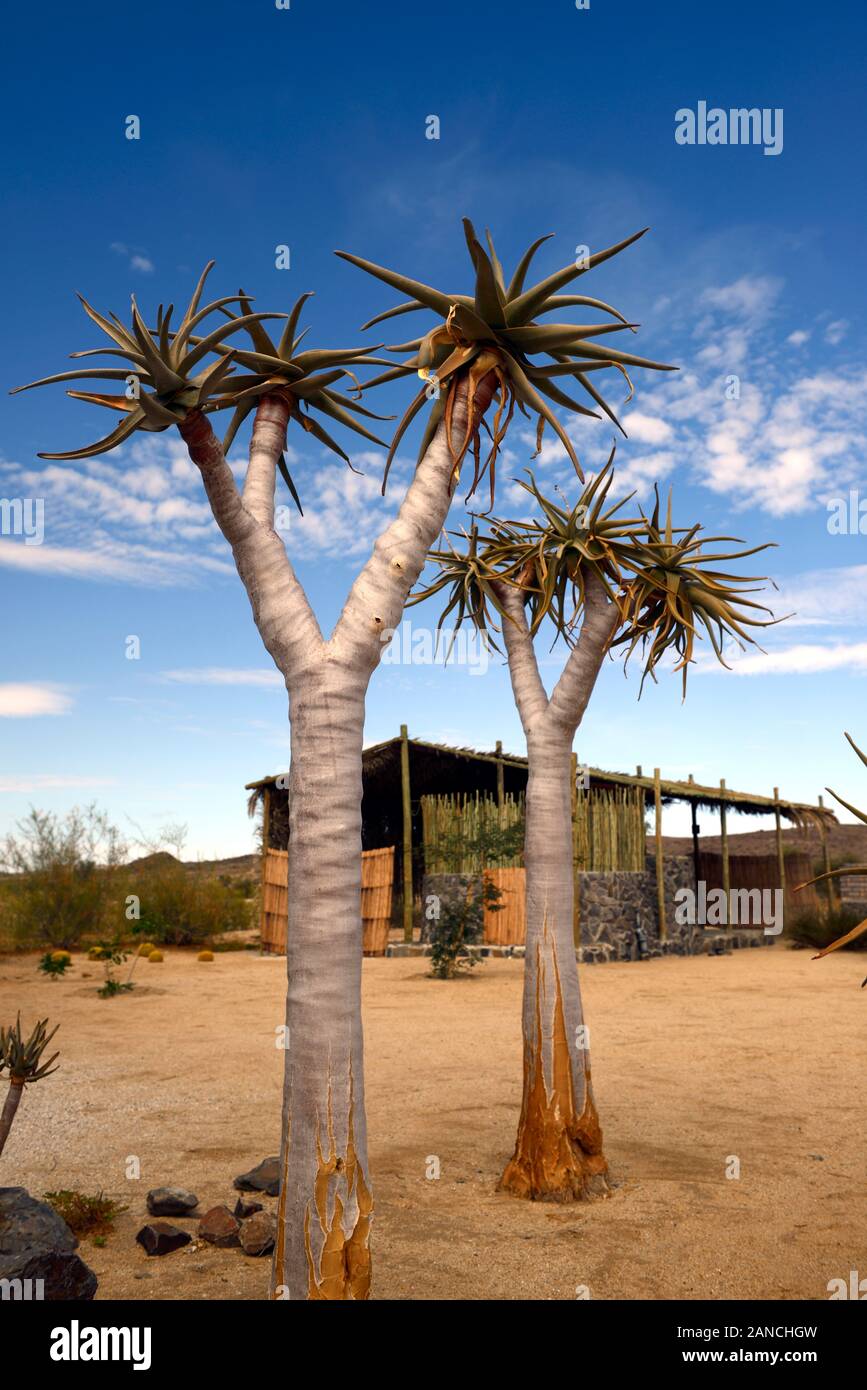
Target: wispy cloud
[[135, 257], [28, 701], [804, 659], [221, 675], [34, 782], [836, 331]]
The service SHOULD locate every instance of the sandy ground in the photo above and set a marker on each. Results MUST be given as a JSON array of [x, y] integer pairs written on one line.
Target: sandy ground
[[759, 1055]]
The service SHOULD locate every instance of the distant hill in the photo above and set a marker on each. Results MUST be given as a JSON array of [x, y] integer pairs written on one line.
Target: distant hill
[[847, 843], [161, 858]]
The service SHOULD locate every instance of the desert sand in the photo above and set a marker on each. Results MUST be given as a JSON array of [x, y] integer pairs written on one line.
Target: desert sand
[[757, 1055]]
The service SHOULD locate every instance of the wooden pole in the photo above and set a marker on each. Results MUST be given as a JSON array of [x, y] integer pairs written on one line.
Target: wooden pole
[[576, 896], [407, 833], [781, 858], [826, 860], [266, 845], [501, 791], [660, 867], [724, 846]]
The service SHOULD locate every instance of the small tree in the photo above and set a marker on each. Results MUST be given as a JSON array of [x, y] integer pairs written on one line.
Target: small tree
[[23, 1061], [600, 579]]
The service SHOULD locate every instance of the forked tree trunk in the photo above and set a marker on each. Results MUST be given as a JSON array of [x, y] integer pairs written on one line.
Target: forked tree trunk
[[558, 1152], [325, 1206]]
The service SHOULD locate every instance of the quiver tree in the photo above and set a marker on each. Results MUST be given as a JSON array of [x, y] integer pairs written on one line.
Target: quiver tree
[[600, 579], [325, 1205], [24, 1065]]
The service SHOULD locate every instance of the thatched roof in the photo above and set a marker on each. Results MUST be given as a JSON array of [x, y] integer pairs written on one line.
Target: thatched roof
[[436, 769]]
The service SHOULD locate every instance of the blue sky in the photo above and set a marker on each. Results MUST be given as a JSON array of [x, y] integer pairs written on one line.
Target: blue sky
[[307, 127]]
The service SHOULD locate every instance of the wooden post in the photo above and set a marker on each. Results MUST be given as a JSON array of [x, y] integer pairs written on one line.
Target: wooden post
[[696, 862], [266, 845], [576, 896], [826, 861], [407, 833], [501, 793], [781, 858], [660, 867], [724, 846]]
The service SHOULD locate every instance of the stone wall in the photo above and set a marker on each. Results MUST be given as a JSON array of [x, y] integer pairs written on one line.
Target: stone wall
[[619, 914]]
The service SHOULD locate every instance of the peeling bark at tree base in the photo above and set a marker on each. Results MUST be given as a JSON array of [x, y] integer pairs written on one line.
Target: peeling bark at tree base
[[557, 1158], [558, 1152]]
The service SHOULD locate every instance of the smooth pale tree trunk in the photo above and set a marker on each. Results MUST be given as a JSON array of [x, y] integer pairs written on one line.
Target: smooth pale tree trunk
[[325, 1205], [10, 1106], [558, 1152]]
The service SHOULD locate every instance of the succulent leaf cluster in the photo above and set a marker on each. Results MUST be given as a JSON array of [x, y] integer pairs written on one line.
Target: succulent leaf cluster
[[496, 329], [170, 372], [23, 1059], [667, 585]]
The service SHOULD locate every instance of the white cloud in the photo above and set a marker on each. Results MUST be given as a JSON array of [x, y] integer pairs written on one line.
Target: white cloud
[[822, 598], [647, 429], [129, 564], [26, 701], [750, 297], [804, 659], [136, 258], [836, 331], [798, 338], [49, 781], [222, 675]]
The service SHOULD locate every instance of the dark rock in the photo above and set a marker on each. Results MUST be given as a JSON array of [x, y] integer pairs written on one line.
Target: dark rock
[[161, 1238], [219, 1227], [258, 1233], [264, 1178], [37, 1244], [244, 1207], [171, 1201]]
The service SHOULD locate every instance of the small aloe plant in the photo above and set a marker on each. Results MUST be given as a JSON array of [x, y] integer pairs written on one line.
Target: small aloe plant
[[23, 1061]]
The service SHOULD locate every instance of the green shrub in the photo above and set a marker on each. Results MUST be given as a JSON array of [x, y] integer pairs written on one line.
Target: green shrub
[[178, 907], [459, 923], [817, 930], [111, 954], [55, 963], [85, 1216], [62, 881]]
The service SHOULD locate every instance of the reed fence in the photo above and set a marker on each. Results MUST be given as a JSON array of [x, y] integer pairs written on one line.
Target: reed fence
[[609, 830], [377, 882], [465, 833]]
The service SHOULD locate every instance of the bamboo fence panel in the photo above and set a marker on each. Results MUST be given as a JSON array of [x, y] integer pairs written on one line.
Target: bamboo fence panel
[[377, 882], [610, 832], [507, 927], [455, 829], [275, 900]]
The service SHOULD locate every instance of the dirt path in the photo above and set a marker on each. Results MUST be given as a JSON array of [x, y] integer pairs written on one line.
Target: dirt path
[[758, 1055]]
